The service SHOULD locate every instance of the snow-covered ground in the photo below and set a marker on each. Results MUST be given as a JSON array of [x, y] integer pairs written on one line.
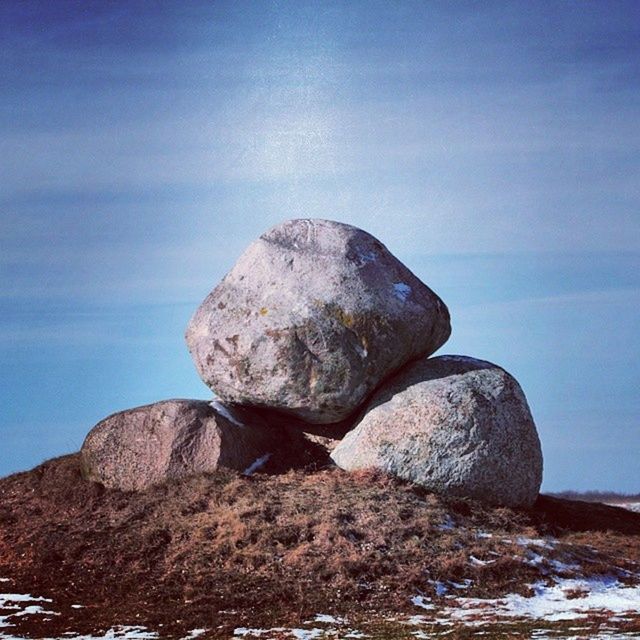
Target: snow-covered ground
[[631, 506], [583, 603], [566, 599], [18, 605]]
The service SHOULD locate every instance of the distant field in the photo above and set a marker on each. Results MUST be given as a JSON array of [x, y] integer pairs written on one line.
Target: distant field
[[630, 501], [606, 497]]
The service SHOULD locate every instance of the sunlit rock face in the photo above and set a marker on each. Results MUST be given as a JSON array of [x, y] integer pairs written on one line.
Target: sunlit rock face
[[313, 316], [454, 425]]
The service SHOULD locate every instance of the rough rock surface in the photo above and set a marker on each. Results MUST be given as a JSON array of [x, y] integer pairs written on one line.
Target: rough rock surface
[[455, 425], [137, 448], [313, 316]]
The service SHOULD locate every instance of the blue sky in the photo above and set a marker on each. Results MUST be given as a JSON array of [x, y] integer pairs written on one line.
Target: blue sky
[[494, 147]]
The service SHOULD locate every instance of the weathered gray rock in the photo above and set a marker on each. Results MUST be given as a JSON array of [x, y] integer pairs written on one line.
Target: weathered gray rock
[[454, 425], [137, 448], [313, 316]]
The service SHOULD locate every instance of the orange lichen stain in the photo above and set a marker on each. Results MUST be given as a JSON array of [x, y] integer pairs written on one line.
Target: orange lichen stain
[[345, 318], [337, 312], [264, 311]]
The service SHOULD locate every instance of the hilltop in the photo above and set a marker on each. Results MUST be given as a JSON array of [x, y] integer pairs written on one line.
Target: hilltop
[[223, 552]]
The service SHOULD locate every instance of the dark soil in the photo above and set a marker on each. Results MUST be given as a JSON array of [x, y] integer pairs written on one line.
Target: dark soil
[[223, 550]]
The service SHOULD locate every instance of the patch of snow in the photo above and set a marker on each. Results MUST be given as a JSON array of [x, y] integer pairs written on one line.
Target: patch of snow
[[441, 588], [307, 634], [195, 633], [19, 597], [534, 542], [630, 506], [247, 631], [480, 563], [77, 606], [402, 290], [300, 634], [552, 603], [534, 559], [465, 584], [225, 412], [447, 525], [443, 622], [117, 633], [256, 464], [124, 633], [34, 609], [20, 605], [329, 619], [15, 602], [484, 534], [422, 602], [563, 567]]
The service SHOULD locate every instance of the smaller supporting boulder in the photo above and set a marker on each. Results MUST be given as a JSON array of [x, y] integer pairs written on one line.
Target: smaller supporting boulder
[[140, 447], [454, 425]]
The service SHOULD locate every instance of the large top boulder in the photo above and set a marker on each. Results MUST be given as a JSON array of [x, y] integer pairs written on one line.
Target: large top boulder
[[313, 316], [455, 425], [134, 449]]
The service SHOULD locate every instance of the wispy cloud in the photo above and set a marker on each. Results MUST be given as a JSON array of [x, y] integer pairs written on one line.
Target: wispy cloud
[[574, 299]]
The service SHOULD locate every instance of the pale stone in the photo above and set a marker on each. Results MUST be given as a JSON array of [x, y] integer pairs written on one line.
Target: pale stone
[[455, 425]]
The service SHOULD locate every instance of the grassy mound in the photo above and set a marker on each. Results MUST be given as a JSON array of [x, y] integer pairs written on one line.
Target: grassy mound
[[223, 550]]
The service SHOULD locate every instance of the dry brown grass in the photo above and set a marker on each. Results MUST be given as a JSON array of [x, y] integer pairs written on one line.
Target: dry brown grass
[[271, 549]]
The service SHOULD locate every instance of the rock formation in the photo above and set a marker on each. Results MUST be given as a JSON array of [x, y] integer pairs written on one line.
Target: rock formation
[[316, 326]]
